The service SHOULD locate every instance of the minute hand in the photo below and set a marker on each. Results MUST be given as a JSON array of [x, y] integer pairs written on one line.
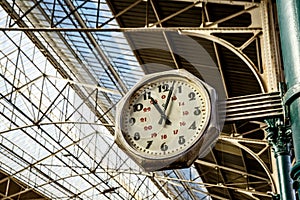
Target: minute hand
[[166, 105], [169, 96]]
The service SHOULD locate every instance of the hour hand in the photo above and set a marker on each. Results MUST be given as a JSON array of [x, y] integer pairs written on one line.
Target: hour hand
[[156, 106], [161, 112], [164, 116]]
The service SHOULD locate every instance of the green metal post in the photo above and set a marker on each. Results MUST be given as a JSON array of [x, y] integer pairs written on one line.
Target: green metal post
[[279, 137], [289, 25]]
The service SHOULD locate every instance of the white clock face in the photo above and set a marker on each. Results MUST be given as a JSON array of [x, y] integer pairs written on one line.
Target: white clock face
[[165, 117]]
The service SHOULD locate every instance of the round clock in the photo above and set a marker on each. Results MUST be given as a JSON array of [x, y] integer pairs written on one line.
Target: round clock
[[163, 116]]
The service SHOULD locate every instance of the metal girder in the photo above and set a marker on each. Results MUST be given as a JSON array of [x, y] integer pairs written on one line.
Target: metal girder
[[216, 50], [257, 158], [137, 29], [157, 15], [175, 180], [236, 141], [230, 16], [98, 49], [82, 64], [40, 124], [231, 2], [119, 14], [185, 186], [47, 54], [221, 175], [160, 21], [216, 166], [231, 47]]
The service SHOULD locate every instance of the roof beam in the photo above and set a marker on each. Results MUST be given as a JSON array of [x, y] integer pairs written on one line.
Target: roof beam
[[114, 73]]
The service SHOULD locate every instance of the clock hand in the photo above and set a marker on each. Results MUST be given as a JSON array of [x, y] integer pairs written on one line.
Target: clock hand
[[166, 105], [163, 116], [157, 106], [169, 96]]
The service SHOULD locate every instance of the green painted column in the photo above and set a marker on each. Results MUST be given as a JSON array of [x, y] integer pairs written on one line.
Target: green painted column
[[289, 26], [279, 137]]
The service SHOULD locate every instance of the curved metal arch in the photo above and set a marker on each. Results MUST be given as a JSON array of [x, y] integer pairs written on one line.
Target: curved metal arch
[[257, 158], [232, 48]]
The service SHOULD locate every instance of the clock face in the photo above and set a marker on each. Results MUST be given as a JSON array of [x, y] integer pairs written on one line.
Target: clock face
[[165, 117]]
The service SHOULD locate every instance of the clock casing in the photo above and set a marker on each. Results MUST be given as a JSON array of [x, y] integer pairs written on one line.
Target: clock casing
[[164, 120]]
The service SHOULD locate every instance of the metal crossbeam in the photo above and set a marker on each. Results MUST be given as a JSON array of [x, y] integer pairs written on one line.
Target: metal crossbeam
[[254, 107]]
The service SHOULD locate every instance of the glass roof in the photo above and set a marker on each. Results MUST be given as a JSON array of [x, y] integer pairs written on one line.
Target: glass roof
[[58, 95]]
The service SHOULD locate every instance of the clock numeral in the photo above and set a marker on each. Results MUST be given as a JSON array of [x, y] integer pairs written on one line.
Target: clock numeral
[[147, 128], [175, 132], [148, 109], [193, 126], [197, 111], [137, 107], [153, 102], [182, 123], [192, 96], [132, 121], [181, 140], [153, 135], [143, 119], [136, 136], [163, 88], [185, 112], [163, 137], [149, 143], [181, 103], [180, 89], [147, 95], [164, 147]]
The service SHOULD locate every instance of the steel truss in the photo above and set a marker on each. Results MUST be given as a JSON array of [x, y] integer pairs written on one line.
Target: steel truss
[[68, 111]]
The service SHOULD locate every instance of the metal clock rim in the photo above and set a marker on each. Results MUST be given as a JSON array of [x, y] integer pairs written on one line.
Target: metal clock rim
[[181, 73]]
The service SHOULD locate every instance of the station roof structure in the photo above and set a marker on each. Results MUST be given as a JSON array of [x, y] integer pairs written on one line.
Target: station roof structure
[[64, 65]]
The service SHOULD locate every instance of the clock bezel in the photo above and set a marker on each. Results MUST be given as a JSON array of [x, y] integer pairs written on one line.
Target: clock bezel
[[181, 74]]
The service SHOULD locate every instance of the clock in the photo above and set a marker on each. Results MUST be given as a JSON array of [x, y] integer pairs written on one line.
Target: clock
[[163, 119]]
